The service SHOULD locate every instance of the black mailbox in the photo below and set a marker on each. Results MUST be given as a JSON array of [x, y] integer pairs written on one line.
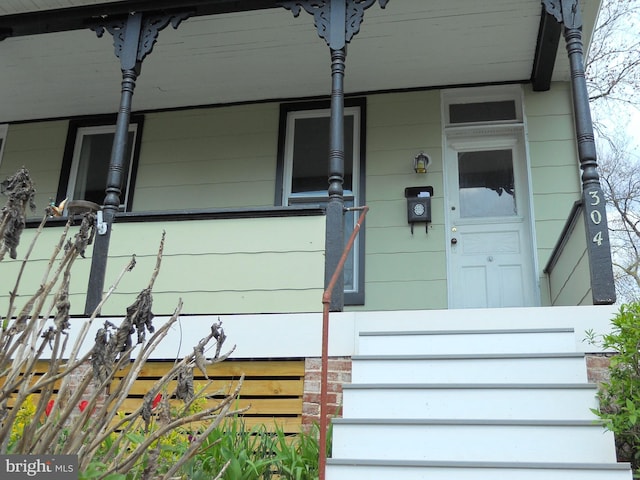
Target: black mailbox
[[418, 205]]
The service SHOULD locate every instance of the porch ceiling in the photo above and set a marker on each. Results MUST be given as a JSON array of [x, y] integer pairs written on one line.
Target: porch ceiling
[[267, 54]]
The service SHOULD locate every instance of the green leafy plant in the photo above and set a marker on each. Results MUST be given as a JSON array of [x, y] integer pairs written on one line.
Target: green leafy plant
[[247, 454], [620, 396], [260, 453], [298, 456]]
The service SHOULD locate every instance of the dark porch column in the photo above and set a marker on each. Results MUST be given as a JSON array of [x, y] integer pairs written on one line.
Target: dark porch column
[[337, 21], [567, 12], [334, 236], [133, 39]]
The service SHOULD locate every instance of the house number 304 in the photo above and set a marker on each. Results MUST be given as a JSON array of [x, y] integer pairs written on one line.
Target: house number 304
[[595, 215]]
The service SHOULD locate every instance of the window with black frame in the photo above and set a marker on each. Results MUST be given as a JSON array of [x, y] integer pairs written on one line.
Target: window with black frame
[[87, 157], [303, 173]]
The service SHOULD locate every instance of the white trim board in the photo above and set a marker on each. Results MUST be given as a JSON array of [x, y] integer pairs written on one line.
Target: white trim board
[[299, 335]]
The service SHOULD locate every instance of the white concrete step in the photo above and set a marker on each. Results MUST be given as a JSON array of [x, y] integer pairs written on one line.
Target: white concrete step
[[350, 469], [460, 401], [469, 404], [450, 342], [477, 368], [472, 440]]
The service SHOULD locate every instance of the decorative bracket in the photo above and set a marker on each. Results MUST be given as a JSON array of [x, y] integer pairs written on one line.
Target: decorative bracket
[[329, 14], [151, 28], [148, 27], [566, 12]]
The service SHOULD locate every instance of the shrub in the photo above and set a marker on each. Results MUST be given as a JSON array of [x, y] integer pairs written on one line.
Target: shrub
[[620, 396]]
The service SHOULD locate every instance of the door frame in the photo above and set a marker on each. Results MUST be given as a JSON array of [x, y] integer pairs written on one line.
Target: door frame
[[487, 135]]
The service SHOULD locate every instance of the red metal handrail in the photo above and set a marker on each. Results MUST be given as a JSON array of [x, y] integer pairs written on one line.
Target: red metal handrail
[[326, 300]]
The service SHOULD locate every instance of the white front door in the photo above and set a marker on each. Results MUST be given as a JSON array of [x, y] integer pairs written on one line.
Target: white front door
[[489, 231]]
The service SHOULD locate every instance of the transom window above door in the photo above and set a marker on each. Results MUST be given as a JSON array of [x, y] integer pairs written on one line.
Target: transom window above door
[[501, 110], [488, 106]]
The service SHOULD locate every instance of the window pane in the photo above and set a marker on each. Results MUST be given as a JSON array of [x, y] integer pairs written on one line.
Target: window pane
[[93, 166], [349, 266], [482, 112], [311, 154], [486, 184]]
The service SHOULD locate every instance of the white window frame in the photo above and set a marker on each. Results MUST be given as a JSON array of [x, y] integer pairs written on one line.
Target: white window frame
[[309, 197], [77, 149], [351, 197]]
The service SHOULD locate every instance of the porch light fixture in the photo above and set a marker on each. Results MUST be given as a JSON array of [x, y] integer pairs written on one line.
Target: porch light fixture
[[421, 162]]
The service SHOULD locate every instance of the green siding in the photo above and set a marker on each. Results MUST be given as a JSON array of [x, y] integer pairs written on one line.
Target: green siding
[[408, 295], [555, 175], [39, 147], [216, 266], [232, 266], [34, 272], [403, 271], [226, 158], [569, 280], [400, 125], [208, 158]]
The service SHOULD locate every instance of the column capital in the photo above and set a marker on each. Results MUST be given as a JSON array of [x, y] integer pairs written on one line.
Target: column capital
[[135, 35], [337, 21], [566, 12]]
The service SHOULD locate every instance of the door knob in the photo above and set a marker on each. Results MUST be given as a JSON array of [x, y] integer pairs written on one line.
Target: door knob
[[454, 240]]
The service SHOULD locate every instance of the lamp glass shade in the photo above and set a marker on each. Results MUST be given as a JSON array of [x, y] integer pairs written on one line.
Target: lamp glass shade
[[421, 162]]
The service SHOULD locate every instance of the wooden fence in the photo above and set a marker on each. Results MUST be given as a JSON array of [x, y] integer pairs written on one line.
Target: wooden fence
[[272, 389]]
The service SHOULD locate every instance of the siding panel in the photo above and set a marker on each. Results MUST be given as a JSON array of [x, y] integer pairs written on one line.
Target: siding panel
[[226, 266], [554, 169], [570, 278], [217, 158], [403, 271], [226, 158], [39, 147]]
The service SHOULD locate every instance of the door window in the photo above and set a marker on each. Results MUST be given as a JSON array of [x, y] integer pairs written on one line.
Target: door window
[[486, 184]]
